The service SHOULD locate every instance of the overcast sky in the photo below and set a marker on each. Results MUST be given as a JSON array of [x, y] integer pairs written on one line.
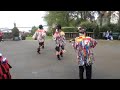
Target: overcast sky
[[21, 18]]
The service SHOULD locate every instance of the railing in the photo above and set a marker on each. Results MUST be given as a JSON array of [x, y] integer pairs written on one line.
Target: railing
[[90, 34], [70, 35]]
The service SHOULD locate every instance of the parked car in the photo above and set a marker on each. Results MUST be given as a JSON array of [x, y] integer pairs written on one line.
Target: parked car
[[23, 36]]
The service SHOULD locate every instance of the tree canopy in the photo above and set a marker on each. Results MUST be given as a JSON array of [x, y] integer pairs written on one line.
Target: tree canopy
[[75, 18]]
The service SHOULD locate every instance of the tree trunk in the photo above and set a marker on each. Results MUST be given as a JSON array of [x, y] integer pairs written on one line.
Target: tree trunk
[[90, 16], [119, 18], [84, 15], [109, 17], [81, 14], [101, 14], [101, 20], [67, 18]]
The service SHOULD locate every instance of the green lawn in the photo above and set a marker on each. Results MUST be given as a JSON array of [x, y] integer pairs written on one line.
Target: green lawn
[[30, 38]]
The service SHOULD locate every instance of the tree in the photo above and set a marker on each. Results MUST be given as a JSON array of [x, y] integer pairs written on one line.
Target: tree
[[109, 16], [54, 17], [15, 32], [34, 28], [104, 17], [101, 15], [68, 18]]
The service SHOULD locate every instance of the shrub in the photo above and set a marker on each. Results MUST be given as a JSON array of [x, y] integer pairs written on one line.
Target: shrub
[[109, 27], [118, 30], [96, 32], [90, 27], [113, 27], [49, 32], [104, 28]]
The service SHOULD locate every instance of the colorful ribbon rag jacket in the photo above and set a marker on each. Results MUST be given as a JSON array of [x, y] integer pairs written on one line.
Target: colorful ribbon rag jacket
[[39, 35], [59, 38], [83, 45]]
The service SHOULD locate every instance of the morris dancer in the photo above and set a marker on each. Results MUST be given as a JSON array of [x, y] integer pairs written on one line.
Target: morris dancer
[[83, 46], [59, 37], [40, 36]]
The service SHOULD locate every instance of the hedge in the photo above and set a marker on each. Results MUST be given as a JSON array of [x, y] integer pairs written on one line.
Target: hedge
[[70, 29], [49, 33], [65, 29]]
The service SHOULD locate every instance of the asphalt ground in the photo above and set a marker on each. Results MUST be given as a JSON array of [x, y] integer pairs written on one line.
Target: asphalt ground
[[28, 64]]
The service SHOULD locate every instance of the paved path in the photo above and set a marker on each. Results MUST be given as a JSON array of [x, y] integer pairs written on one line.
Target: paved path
[[27, 64]]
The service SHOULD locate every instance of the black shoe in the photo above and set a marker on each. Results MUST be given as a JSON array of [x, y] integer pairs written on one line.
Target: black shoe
[[38, 52], [59, 59], [61, 54], [42, 47], [58, 56]]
